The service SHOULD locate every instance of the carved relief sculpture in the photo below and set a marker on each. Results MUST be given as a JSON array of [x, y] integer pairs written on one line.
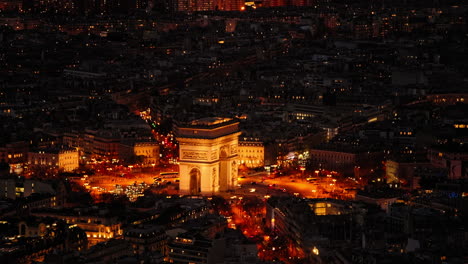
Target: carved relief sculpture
[[215, 178], [194, 155], [233, 149]]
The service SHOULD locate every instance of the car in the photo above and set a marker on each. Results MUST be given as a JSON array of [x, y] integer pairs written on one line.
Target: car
[[293, 180], [253, 183], [242, 177]]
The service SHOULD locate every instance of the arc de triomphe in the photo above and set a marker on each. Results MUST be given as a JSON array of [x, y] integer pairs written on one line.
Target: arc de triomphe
[[208, 155]]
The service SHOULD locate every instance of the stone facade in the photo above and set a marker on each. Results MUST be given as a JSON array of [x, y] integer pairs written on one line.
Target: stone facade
[[208, 155]]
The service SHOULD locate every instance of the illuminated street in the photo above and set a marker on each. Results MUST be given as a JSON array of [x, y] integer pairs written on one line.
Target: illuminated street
[[321, 187], [130, 181]]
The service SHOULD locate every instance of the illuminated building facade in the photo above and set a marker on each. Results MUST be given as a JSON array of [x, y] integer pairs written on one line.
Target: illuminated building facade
[[328, 207], [230, 5], [345, 158], [331, 130], [101, 144], [64, 159], [208, 153], [447, 99], [48, 230], [251, 153], [34, 230], [15, 154], [146, 153], [195, 5], [205, 5], [99, 227], [303, 112], [401, 172], [334, 160], [233, 5]]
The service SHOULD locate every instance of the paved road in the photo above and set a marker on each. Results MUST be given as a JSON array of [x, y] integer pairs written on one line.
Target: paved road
[[323, 187]]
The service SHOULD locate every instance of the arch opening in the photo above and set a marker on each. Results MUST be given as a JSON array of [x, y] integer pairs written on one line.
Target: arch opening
[[195, 184]]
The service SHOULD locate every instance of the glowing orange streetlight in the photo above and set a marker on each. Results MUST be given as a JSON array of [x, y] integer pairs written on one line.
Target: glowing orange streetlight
[[302, 170]]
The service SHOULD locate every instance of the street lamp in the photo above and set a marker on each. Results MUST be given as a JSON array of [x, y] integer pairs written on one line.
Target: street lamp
[[315, 251]]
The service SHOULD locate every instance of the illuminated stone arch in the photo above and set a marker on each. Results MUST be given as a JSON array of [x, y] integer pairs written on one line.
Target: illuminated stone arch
[[208, 144]]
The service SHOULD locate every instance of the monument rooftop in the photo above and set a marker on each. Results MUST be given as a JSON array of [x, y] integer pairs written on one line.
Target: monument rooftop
[[210, 121], [208, 128]]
